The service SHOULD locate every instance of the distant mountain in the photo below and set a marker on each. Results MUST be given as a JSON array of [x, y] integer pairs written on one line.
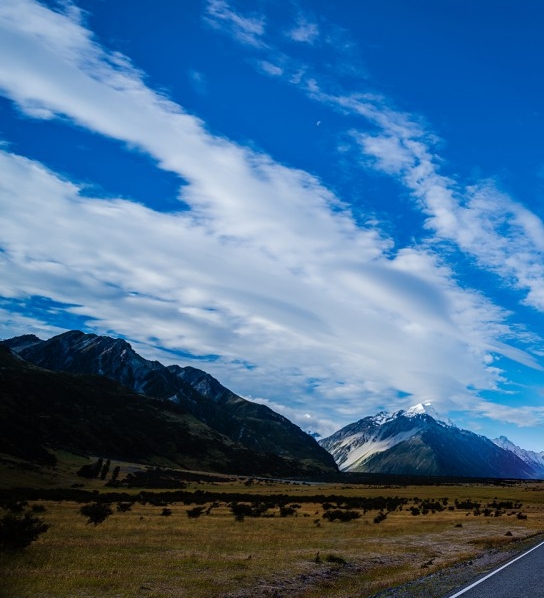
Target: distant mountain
[[250, 425], [413, 442], [532, 458]]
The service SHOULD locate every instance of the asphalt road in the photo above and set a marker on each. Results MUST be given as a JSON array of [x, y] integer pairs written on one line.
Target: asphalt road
[[522, 577]]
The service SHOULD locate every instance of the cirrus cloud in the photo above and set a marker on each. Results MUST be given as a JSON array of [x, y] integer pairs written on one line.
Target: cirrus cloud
[[263, 267]]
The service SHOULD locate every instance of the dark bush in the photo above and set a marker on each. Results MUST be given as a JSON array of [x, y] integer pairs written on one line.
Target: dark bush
[[505, 504], [17, 532], [91, 470], [256, 509], [123, 507], [380, 517], [96, 512], [166, 512], [241, 511], [195, 512], [466, 504], [337, 514], [432, 505], [104, 470]]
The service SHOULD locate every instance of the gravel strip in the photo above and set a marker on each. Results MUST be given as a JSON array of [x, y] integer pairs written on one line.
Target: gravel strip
[[446, 581]]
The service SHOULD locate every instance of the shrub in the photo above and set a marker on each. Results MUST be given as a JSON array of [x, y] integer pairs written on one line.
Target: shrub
[[195, 512], [257, 509], [17, 532], [466, 504], [96, 512], [166, 512], [337, 514], [241, 511], [380, 517], [104, 470], [123, 507], [90, 470], [432, 505]]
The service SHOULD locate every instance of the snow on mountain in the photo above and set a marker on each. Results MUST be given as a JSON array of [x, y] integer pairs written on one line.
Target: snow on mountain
[[427, 409], [382, 417], [356, 443], [530, 457], [374, 444], [379, 433], [417, 441]]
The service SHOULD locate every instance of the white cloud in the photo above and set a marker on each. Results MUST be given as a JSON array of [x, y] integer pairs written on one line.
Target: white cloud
[[305, 31], [271, 69], [499, 233], [267, 264], [522, 416], [503, 236], [330, 321], [246, 29]]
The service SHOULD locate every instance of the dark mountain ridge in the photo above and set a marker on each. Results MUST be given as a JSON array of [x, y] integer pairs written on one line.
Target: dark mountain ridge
[[88, 414], [253, 426]]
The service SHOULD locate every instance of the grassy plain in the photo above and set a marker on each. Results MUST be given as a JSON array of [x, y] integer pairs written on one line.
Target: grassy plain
[[144, 553]]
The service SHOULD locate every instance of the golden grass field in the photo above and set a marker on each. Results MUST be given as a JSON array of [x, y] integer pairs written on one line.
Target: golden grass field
[[142, 553]]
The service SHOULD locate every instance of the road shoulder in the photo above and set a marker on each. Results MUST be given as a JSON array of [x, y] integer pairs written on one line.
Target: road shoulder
[[446, 581]]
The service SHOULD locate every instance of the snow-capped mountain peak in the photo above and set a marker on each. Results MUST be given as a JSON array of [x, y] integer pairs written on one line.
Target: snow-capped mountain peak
[[420, 408], [358, 442], [382, 417], [530, 457], [418, 441], [426, 409]]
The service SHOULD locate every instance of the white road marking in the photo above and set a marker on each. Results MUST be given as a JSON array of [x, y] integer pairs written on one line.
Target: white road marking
[[496, 571]]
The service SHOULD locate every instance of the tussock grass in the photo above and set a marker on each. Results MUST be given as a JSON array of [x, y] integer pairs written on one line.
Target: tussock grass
[[140, 553]]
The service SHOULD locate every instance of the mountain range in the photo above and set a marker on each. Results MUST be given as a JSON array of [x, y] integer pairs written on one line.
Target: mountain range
[[221, 422], [418, 442], [95, 395]]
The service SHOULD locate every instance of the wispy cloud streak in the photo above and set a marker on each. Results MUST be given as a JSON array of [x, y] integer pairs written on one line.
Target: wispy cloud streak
[[500, 234], [266, 263]]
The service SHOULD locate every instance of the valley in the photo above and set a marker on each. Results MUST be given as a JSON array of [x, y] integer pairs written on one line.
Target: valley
[[151, 481], [228, 536]]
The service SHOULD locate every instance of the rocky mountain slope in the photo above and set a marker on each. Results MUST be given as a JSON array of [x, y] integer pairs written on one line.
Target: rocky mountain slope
[[249, 425], [535, 460], [413, 442], [42, 410]]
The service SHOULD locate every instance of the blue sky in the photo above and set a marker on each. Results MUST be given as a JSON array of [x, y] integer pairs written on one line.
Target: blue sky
[[334, 209]]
